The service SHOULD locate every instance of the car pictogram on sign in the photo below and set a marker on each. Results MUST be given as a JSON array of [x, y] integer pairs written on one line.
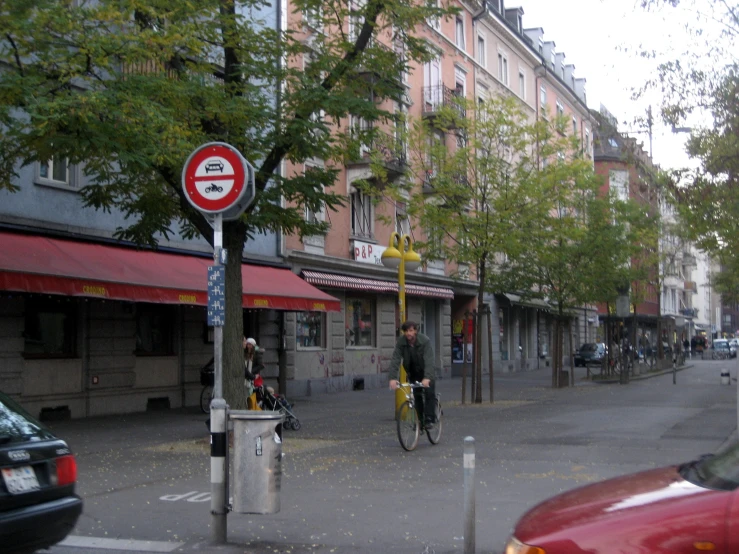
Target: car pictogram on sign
[[213, 188], [213, 166]]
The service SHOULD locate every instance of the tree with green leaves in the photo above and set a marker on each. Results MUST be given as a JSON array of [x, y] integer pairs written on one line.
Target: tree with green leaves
[[702, 80], [129, 88], [483, 202]]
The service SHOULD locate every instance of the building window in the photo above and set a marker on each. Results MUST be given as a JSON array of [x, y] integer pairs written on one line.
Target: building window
[[313, 216], [481, 54], [503, 68], [360, 321], [313, 17], [574, 126], [56, 172], [521, 84], [587, 142], [310, 330], [543, 102], [50, 329], [154, 324], [459, 32], [402, 223], [362, 225], [435, 22], [560, 109]]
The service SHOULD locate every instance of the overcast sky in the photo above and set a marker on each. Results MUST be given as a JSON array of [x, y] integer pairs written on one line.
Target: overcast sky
[[593, 35]]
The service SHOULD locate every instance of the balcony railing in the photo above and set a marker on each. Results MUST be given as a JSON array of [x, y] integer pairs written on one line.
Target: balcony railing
[[392, 152], [438, 97], [689, 312]]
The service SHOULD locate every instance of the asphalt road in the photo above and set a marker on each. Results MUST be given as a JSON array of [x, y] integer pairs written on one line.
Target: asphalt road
[[347, 486]]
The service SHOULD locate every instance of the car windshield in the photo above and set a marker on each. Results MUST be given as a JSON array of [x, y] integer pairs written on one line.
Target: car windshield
[[589, 347], [720, 471], [16, 425], [721, 345]]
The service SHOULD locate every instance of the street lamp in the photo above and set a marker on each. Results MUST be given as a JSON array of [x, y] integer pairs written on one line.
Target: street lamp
[[400, 254]]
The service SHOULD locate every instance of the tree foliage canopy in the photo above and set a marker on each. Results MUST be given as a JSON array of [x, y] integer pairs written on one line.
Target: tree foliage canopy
[[129, 88]]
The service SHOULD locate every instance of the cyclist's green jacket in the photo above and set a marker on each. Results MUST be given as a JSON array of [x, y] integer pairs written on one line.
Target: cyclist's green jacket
[[424, 355]]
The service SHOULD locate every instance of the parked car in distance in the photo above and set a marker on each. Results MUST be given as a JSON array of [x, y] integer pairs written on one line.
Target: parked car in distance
[[590, 353], [692, 507], [38, 475], [722, 345], [734, 343]]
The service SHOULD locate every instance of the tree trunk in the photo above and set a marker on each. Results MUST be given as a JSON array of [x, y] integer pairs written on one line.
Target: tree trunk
[[478, 331], [233, 331], [473, 369], [572, 358], [464, 355], [490, 349]]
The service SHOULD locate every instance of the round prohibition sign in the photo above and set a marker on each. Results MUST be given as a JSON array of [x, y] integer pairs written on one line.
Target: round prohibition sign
[[214, 177]]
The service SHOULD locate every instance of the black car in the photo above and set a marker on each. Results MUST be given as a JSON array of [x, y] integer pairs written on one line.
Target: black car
[[590, 353], [38, 474]]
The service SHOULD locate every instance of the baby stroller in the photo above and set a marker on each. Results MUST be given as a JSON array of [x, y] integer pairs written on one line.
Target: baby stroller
[[270, 401]]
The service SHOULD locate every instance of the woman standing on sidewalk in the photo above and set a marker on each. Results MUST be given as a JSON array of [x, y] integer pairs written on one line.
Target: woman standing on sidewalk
[[252, 366]]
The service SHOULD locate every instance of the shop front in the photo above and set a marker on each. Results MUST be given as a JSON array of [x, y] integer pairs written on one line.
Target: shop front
[[91, 329]]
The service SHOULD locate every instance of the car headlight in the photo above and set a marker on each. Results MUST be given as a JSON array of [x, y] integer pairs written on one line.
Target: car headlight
[[515, 546]]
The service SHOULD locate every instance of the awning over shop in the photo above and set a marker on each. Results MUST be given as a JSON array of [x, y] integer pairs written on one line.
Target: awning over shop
[[53, 266], [335, 280], [528, 302]]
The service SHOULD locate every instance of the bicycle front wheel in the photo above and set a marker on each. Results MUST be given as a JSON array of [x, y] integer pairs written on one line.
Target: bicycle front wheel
[[206, 395], [408, 426], [434, 434]]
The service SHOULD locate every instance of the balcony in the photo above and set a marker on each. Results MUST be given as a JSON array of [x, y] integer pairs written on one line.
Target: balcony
[[690, 286], [689, 312], [689, 259], [439, 98], [390, 82], [391, 152]]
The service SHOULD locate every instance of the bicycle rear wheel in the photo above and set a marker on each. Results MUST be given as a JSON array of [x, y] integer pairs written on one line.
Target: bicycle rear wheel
[[434, 434], [408, 426], [206, 395]]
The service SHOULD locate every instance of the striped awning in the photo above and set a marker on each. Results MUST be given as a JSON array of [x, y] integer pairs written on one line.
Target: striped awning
[[336, 280]]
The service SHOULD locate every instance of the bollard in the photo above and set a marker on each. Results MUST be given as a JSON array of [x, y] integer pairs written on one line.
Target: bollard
[[218, 470], [725, 377], [469, 495]]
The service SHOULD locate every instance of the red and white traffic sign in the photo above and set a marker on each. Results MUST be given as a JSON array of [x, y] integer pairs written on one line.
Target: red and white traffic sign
[[215, 177]]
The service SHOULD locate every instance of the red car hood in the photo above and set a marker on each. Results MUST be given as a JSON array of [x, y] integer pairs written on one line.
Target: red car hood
[[632, 501]]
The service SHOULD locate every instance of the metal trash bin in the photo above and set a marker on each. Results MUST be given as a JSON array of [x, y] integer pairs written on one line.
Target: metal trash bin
[[257, 465], [725, 377]]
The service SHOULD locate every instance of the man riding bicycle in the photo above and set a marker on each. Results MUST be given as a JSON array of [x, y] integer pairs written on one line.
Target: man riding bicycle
[[415, 351]]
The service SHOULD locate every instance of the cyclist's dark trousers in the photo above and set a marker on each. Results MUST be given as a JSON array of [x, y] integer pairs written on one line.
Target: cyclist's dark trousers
[[426, 402]]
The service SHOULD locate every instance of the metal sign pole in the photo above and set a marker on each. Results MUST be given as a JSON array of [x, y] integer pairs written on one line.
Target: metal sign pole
[[217, 180], [218, 427]]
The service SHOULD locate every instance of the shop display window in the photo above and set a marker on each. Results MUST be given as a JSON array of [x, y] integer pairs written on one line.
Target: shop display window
[[360, 321], [310, 330]]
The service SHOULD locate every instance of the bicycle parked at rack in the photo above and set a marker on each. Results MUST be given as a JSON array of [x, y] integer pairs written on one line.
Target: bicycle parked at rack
[[409, 424]]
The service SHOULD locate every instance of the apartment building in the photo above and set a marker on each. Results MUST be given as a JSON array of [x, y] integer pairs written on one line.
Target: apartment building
[[628, 173]]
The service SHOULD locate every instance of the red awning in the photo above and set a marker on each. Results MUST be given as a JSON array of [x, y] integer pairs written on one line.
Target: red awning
[[336, 280], [53, 266]]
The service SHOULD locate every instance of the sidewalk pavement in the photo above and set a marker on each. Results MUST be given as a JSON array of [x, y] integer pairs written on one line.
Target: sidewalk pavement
[[346, 461]]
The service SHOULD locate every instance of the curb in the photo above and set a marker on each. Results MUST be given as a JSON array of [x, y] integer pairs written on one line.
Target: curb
[[641, 376]]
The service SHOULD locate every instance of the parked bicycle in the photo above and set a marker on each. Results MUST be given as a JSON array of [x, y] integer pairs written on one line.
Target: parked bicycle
[[409, 424]]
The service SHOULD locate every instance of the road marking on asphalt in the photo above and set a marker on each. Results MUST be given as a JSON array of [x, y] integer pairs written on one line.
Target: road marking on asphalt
[[120, 544]]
